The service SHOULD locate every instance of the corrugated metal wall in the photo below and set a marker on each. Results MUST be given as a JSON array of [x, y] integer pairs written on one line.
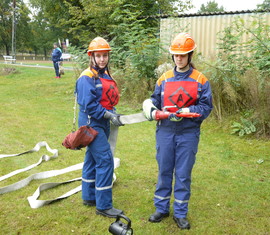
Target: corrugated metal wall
[[204, 29]]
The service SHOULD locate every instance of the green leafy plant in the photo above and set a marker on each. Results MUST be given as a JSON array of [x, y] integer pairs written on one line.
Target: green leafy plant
[[135, 52], [240, 74], [245, 127]]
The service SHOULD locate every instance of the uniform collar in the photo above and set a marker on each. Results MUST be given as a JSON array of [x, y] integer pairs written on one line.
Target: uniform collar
[[182, 75], [97, 70]]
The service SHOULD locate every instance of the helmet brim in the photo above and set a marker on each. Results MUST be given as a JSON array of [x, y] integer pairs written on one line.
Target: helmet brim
[[90, 51], [179, 52]]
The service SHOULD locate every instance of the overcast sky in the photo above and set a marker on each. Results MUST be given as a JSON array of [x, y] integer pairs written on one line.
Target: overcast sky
[[228, 5]]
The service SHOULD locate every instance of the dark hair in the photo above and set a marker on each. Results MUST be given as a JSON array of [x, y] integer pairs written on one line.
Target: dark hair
[[189, 60], [192, 65]]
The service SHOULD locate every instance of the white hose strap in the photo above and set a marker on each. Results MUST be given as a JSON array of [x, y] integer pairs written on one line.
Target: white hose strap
[[35, 203], [125, 119], [21, 170], [35, 149], [37, 176], [113, 137], [133, 118]]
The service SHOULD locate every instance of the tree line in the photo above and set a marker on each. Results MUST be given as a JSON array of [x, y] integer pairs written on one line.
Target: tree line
[[39, 23]]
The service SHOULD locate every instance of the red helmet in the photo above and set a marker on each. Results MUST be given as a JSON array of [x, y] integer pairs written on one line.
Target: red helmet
[[182, 44], [98, 44]]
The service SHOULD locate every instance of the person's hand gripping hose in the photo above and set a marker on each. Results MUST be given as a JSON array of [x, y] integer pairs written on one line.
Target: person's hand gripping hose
[[114, 118]]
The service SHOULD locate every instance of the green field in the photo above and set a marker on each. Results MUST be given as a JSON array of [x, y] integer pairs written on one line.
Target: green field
[[230, 189]]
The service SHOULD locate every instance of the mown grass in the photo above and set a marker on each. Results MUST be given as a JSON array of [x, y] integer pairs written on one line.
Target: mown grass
[[230, 191]]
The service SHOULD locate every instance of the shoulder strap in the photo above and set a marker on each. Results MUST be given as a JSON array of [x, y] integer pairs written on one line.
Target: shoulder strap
[[74, 114], [86, 72]]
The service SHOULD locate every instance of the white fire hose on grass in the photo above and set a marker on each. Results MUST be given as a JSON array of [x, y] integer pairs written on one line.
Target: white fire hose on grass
[[33, 200]]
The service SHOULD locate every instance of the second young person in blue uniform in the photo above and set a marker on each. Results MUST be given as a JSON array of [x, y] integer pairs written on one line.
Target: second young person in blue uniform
[[183, 89], [56, 58], [97, 94]]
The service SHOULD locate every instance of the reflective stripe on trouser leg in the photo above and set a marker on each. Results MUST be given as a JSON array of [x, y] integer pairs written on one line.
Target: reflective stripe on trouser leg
[[104, 165], [186, 149], [88, 177], [165, 158]]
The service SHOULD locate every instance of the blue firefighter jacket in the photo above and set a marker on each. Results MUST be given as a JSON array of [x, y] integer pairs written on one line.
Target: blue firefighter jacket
[[95, 97], [56, 54], [176, 93]]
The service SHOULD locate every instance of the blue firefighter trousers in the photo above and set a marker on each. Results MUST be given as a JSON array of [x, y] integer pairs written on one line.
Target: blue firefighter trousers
[[97, 173], [176, 152], [56, 68]]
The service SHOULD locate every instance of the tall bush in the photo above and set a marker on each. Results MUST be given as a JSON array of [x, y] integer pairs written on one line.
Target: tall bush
[[135, 53], [241, 75]]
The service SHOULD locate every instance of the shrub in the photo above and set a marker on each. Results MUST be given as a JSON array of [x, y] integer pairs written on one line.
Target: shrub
[[240, 77], [135, 53]]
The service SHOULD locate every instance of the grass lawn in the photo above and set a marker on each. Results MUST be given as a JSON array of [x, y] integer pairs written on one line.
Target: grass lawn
[[230, 188]]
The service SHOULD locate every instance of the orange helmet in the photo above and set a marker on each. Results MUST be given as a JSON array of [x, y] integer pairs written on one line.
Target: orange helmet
[[182, 44], [98, 44]]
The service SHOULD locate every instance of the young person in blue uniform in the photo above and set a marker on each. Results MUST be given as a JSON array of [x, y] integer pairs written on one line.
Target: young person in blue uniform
[[97, 94], [181, 90], [56, 58]]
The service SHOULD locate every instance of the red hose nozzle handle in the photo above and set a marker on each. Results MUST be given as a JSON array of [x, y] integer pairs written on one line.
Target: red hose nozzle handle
[[188, 115], [160, 115]]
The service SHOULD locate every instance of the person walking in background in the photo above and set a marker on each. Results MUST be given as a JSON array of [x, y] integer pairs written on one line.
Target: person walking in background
[[181, 90], [56, 58], [97, 94]]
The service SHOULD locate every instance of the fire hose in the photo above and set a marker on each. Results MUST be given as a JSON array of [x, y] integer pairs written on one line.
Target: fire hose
[[158, 115], [33, 200]]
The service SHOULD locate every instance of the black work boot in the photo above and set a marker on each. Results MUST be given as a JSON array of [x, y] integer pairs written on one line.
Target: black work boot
[[157, 217], [111, 213], [182, 223], [89, 202]]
